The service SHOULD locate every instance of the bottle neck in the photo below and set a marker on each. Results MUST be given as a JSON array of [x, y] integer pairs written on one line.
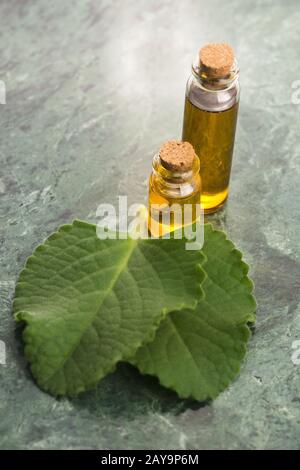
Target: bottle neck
[[215, 83], [172, 183]]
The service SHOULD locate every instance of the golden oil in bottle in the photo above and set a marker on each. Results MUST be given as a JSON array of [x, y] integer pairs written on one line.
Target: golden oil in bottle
[[210, 116], [174, 188], [212, 135]]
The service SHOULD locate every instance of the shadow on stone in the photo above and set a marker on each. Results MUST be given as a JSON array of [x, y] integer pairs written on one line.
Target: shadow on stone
[[128, 393], [125, 392]]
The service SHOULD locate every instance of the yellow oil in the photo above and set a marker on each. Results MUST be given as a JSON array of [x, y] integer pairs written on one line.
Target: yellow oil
[[185, 210], [212, 136]]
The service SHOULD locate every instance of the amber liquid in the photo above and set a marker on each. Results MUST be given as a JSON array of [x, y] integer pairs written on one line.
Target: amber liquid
[[212, 136], [183, 209]]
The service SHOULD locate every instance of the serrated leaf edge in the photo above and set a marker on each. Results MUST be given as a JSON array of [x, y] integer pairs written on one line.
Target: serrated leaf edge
[[249, 320], [20, 316]]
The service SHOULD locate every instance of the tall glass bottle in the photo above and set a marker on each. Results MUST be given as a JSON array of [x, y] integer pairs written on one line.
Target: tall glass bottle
[[210, 115]]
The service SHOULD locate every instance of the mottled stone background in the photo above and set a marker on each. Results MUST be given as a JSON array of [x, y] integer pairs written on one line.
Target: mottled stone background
[[92, 89]]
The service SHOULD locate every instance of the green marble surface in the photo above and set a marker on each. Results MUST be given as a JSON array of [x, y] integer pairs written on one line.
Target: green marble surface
[[93, 88]]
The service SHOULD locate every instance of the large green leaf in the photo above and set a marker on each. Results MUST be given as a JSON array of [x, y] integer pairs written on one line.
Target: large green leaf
[[89, 303], [198, 352]]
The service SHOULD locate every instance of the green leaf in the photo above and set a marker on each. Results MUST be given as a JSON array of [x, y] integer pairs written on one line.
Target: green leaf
[[198, 352], [89, 303]]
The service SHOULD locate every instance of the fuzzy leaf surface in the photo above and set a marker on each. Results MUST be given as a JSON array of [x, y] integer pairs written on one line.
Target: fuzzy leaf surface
[[198, 352], [89, 303]]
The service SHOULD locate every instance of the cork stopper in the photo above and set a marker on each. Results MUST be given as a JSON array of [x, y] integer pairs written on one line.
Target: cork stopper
[[176, 155], [216, 60]]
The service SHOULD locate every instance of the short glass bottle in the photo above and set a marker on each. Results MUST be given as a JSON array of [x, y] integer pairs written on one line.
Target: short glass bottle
[[174, 196], [210, 116]]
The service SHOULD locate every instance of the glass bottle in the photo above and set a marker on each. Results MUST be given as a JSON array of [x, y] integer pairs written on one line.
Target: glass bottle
[[174, 190], [210, 115]]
